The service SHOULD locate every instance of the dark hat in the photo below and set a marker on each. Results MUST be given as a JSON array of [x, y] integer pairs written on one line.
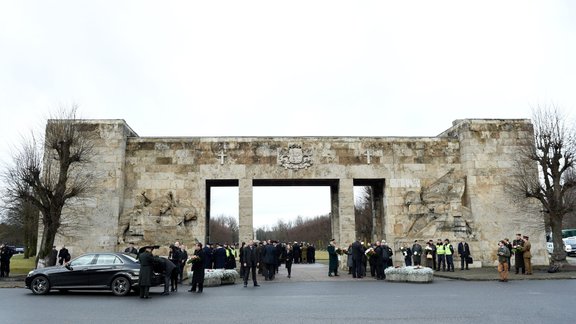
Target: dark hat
[[525, 236], [152, 247]]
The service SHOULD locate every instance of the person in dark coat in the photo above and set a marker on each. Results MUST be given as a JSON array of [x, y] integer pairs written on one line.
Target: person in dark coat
[[197, 269], [333, 258], [146, 270], [387, 254], [312, 252], [297, 253], [417, 252], [53, 257], [357, 258], [251, 260], [380, 254], [289, 258], [269, 259], [167, 268], [6, 253], [407, 253], [517, 246], [63, 255], [208, 258], [184, 258], [464, 252], [219, 255]]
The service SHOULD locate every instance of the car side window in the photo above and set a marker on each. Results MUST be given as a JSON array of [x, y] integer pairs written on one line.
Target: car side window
[[83, 260], [108, 259]]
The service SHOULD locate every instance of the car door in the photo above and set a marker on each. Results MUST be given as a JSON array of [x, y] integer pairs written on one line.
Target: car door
[[105, 267], [76, 274]]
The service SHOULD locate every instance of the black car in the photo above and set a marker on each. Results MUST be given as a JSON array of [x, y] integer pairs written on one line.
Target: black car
[[92, 271]]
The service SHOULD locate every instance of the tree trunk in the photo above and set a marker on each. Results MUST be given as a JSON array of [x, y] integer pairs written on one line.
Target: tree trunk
[[558, 254], [47, 242]]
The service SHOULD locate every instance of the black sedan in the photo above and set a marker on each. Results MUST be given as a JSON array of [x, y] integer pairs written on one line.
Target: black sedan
[[93, 271]]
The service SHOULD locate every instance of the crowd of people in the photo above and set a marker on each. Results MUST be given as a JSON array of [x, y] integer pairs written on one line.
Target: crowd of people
[[262, 259], [265, 258], [257, 258], [358, 257], [520, 249]]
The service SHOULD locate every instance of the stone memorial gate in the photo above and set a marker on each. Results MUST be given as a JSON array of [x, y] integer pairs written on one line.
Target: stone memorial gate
[[154, 190]]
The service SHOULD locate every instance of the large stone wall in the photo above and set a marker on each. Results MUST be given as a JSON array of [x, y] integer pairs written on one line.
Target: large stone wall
[[153, 190]]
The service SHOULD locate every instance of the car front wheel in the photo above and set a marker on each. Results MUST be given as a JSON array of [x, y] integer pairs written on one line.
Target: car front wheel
[[40, 285], [120, 286]]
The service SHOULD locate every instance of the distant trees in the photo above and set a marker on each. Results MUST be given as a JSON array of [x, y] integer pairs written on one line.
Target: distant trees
[[224, 229], [20, 226], [553, 151], [49, 173], [314, 230]]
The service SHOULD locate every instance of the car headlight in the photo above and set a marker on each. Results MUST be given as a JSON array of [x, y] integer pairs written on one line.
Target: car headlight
[[30, 273]]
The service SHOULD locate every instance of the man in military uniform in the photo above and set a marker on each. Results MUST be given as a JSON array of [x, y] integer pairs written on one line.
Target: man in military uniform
[[527, 255]]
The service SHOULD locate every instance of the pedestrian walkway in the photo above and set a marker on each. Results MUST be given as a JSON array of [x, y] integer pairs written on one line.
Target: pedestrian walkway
[[319, 272]]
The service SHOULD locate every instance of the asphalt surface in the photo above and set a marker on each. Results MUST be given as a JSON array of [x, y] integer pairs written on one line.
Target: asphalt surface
[[301, 300]]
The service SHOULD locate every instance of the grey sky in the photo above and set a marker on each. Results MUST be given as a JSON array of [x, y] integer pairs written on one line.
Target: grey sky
[[191, 68]]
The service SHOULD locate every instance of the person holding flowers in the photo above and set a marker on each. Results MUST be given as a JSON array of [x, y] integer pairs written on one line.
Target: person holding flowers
[[197, 261]]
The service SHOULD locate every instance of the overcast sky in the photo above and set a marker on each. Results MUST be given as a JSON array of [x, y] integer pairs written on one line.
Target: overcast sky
[[265, 68]]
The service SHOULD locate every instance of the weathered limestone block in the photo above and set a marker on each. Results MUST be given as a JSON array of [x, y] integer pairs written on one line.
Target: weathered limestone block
[[409, 274]]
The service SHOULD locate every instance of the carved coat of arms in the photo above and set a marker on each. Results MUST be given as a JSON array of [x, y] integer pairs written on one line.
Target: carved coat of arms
[[295, 157]]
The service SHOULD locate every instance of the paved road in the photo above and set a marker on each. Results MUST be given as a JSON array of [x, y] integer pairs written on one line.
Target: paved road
[[359, 301]]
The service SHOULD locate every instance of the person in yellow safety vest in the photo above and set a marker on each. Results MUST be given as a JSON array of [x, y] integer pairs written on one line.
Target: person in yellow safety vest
[[440, 254], [449, 251]]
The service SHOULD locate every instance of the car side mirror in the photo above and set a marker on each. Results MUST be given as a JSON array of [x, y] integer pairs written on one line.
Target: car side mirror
[[68, 267]]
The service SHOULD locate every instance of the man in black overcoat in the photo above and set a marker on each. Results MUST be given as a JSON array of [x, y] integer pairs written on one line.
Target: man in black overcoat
[[357, 255], [464, 252], [167, 268], [208, 259], [197, 269], [251, 260], [146, 271], [269, 259]]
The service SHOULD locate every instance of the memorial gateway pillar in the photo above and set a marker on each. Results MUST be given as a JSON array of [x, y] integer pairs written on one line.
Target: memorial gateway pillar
[[347, 222], [246, 216]]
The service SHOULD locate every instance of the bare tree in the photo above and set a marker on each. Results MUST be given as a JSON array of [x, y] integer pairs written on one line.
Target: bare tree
[[49, 174], [553, 151]]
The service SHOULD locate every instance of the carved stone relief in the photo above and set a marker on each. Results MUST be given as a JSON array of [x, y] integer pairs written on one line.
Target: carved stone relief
[[437, 210], [156, 220]]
